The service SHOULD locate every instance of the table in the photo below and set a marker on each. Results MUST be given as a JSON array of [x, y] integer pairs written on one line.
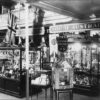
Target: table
[[44, 86]]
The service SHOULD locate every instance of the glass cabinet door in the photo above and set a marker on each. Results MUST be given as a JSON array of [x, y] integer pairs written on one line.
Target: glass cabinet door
[[10, 63]]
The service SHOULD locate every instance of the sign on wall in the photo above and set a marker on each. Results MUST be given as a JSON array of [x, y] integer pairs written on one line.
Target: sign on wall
[[74, 26]]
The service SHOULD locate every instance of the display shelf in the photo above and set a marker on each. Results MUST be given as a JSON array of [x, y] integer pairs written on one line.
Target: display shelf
[[86, 72], [86, 89], [83, 86]]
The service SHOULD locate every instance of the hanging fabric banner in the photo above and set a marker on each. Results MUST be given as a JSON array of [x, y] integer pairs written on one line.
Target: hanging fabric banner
[[12, 21], [10, 38]]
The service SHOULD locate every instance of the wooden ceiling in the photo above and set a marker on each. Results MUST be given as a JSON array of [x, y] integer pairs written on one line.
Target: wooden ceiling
[[7, 3], [81, 9]]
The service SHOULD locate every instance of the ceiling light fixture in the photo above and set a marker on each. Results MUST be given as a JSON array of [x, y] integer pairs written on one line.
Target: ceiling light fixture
[[92, 17]]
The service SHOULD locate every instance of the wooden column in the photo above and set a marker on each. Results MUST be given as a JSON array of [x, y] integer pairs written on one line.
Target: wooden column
[[27, 51]]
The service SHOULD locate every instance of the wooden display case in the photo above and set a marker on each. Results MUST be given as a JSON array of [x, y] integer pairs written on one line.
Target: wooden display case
[[12, 76], [13, 69]]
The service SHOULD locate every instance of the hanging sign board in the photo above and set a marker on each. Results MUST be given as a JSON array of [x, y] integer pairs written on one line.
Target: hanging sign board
[[73, 27], [62, 42]]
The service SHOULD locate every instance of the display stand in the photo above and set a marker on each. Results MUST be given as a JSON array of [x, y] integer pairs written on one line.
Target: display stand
[[12, 76], [43, 81], [86, 73], [63, 82]]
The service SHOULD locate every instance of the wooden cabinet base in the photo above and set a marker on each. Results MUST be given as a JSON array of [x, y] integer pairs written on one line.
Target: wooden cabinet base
[[12, 87]]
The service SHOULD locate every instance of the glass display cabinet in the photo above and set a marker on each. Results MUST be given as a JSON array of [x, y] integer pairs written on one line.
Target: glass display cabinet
[[83, 54], [13, 69], [11, 74], [85, 62]]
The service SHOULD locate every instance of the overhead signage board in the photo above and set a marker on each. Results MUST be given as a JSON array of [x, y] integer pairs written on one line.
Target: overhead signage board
[[74, 26]]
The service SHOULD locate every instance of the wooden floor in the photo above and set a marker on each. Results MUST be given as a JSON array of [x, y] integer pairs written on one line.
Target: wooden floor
[[42, 97]]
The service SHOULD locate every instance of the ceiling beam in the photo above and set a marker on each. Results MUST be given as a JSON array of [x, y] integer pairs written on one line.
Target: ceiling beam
[[45, 5], [50, 7], [21, 1]]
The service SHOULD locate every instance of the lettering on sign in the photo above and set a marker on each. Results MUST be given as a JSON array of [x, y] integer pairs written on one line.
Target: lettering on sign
[[75, 26]]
